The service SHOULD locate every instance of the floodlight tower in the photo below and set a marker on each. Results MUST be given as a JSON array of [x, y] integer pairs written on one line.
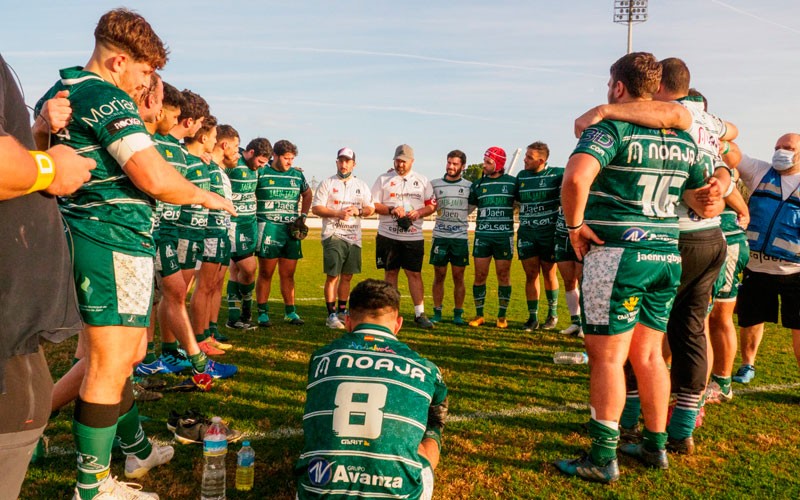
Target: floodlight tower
[[630, 12]]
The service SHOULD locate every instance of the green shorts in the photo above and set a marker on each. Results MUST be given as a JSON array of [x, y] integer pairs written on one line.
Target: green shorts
[[113, 288], [727, 286], [245, 236], [189, 252], [453, 251], [217, 250], [167, 257], [499, 247], [541, 244], [340, 257], [274, 241], [562, 248], [625, 286]]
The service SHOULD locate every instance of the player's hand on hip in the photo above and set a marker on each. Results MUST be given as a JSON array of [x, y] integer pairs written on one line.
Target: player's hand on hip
[[582, 240], [72, 170]]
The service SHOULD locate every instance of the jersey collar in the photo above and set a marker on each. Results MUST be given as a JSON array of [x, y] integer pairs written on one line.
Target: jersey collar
[[76, 74], [365, 329]]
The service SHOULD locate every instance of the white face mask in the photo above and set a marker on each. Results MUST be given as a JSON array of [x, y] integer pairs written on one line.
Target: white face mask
[[782, 160]]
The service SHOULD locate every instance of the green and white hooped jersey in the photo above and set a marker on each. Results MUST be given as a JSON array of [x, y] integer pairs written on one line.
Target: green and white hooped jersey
[[539, 196], [366, 412], [337, 194], [109, 209], [218, 220], [168, 214], [194, 218], [452, 208], [643, 175], [278, 194], [494, 198], [243, 186], [706, 130]]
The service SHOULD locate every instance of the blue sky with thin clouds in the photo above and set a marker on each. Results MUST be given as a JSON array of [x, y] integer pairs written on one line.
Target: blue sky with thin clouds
[[437, 75]]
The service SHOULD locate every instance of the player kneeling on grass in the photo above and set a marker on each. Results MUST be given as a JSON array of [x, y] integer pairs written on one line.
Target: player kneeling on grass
[[375, 409]]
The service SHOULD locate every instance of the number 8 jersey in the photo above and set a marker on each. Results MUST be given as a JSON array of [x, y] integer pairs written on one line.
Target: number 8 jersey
[[366, 412]]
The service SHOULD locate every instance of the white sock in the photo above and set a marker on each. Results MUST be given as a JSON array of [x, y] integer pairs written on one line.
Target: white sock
[[419, 310], [574, 302], [611, 424]]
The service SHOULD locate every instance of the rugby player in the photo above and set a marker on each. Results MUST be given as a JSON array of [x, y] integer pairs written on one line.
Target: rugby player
[[494, 196], [109, 219], [242, 279], [538, 192], [374, 410], [403, 198], [626, 231], [341, 200], [280, 192], [450, 238]]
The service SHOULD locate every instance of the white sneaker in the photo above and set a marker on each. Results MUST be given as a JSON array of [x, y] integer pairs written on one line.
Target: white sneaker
[[572, 329], [136, 468], [334, 322], [111, 489]]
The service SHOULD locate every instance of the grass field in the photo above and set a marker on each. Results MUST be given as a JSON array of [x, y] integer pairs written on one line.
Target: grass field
[[512, 411]]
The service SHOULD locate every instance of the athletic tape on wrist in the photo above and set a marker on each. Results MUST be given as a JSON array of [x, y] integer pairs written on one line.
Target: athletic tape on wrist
[[45, 171]]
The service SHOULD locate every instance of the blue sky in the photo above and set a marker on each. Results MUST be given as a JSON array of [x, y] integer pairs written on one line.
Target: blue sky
[[437, 75]]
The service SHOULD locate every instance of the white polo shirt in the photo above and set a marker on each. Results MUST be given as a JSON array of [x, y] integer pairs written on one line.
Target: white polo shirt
[[337, 194], [412, 192]]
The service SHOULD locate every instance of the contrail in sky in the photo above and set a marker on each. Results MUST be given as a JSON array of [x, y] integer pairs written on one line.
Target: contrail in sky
[[748, 14]]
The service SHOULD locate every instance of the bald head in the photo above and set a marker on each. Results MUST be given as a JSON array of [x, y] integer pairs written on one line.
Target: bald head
[[790, 142]]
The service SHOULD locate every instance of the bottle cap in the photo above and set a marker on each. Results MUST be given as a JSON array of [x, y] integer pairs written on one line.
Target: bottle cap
[[245, 443]]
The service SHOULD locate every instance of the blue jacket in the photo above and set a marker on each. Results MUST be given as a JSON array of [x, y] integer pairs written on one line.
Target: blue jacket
[[774, 228]]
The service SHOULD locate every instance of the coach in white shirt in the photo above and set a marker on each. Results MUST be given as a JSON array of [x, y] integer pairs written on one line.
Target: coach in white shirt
[[403, 198], [341, 200]]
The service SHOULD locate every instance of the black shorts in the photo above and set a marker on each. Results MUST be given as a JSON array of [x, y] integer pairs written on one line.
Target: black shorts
[[758, 299], [395, 254]]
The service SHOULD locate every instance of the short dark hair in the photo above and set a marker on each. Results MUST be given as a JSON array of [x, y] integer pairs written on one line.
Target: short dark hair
[[194, 106], [260, 146], [172, 96], [639, 72], [696, 93], [283, 146], [373, 297], [540, 147], [225, 132], [209, 123], [675, 76], [128, 31], [457, 153]]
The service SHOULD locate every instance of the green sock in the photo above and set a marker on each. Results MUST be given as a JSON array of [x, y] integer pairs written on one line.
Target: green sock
[[131, 435], [169, 347], [213, 328], [653, 441], [263, 308], [681, 425], [552, 302], [437, 312], [503, 299], [479, 294], [723, 382], [533, 309], [576, 319], [201, 336], [234, 301], [246, 291], [631, 411], [604, 443], [94, 456], [457, 313], [289, 309], [198, 361], [151, 353]]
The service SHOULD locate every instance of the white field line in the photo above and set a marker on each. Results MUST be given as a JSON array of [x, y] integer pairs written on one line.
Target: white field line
[[291, 432]]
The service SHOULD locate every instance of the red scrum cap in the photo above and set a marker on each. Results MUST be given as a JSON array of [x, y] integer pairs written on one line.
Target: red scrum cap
[[498, 155]]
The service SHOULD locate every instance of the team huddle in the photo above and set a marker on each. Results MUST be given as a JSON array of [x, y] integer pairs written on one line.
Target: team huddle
[[646, 219]]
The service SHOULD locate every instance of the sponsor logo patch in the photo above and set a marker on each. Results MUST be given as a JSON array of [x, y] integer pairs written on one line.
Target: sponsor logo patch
[[320, 471], [120, 124]]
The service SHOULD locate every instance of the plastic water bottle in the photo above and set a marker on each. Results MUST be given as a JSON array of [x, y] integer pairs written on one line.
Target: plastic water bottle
[[570, 358], [215, 448], [245, 467]]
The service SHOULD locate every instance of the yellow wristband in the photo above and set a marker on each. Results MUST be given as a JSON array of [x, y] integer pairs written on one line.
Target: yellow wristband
[[46, 168]]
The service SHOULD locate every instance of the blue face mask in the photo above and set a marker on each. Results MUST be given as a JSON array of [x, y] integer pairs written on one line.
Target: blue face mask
[[782, 160]]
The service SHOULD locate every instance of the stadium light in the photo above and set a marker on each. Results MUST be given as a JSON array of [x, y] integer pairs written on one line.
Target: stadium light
[[630, 12]]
